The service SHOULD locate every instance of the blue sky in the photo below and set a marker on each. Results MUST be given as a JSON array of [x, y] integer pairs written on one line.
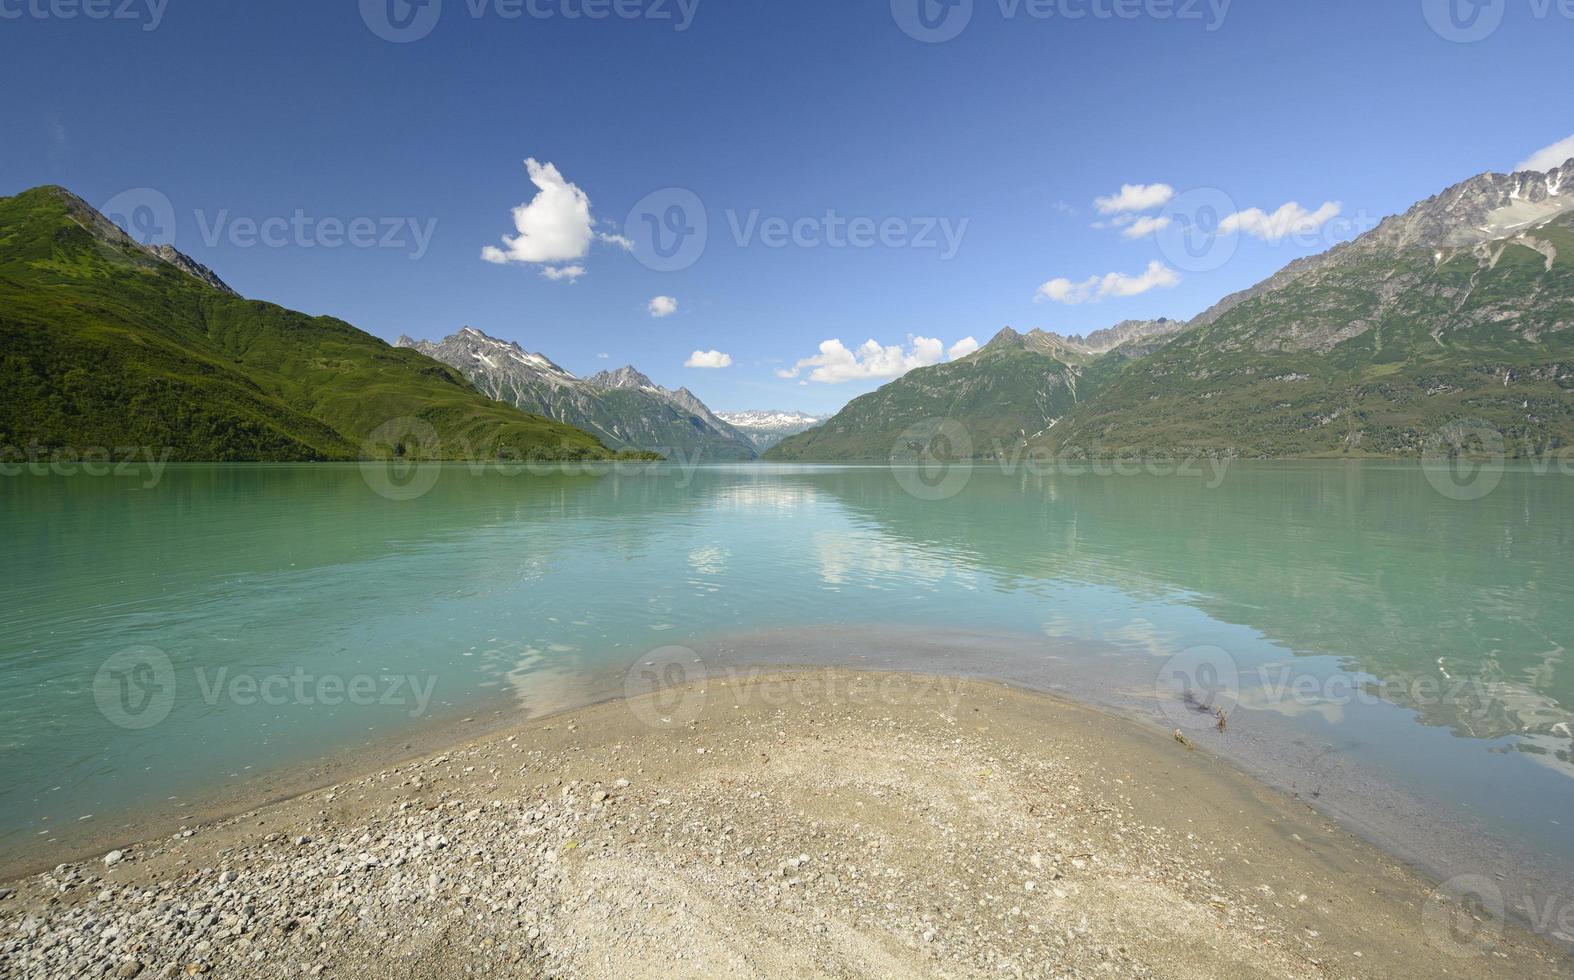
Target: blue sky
[[973, 164]]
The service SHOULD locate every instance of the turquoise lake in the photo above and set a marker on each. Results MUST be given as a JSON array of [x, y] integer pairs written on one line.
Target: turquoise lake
[[163, 639]]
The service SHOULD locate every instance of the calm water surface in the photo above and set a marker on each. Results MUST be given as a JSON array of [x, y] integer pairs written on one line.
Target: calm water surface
[[160, 642]]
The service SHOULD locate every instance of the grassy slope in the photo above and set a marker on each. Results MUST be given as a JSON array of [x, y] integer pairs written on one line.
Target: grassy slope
[[1001, 395], [102, 345], [1439, 354]]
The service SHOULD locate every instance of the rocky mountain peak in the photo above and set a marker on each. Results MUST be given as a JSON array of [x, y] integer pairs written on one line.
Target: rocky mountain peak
[[1007, 337], [627, 376], [105, 230], [1098, 342], [481, 354], [1485, 207], [1106, 340]]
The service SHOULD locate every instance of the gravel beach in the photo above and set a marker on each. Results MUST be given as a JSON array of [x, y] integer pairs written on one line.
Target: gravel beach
[[814, 823]]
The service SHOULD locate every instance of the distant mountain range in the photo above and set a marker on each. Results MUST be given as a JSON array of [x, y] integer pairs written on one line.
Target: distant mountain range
[[766, 428], [1460, 309], [107, 344], [624, 408]]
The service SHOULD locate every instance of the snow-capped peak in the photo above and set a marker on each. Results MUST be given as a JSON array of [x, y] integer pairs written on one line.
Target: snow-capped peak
[[768, 419]]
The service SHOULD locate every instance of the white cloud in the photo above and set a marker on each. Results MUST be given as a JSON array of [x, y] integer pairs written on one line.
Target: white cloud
[[1291, 219], [567, 273], [603, 356], [1145, 226], [554, 226], [1135, 197], [1550, 158], [708, 359], [625, 244], [1091, 290], [837, 364], [663, 306], [962, 348]]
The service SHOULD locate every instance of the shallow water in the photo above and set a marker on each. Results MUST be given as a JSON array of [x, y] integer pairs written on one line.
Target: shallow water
[[161, 641]]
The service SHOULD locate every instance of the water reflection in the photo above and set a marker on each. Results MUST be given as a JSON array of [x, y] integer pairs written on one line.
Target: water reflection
[[544, 586]]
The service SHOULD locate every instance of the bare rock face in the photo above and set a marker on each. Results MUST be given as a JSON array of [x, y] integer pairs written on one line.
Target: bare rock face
[[1481, 209], [191, 267]]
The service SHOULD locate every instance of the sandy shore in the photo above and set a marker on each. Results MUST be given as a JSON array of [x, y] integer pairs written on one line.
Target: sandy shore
[[827, 823]]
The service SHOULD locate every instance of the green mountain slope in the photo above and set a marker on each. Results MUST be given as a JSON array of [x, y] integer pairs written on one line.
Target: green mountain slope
[[105, 343], [1003, 394], [1016, 388], [1375, 352], [1456, 316]]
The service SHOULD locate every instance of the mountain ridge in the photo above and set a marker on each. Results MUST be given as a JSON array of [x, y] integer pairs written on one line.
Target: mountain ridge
[[105, 342], [1459, 308], [623, 407], [767, 427]]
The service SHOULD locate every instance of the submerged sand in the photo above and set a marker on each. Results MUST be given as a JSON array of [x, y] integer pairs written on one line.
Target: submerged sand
[[826, 823]]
